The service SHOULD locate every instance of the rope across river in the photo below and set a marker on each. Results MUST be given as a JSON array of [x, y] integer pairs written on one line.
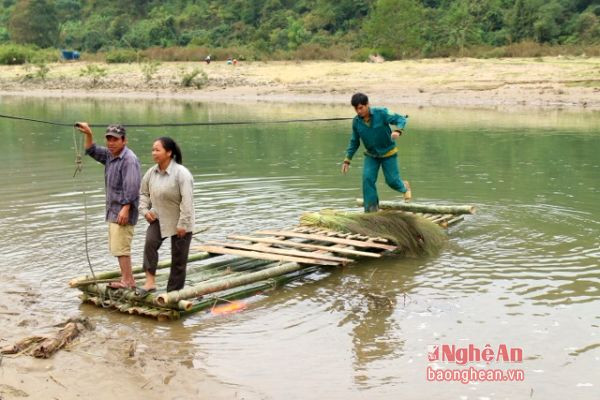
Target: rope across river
[[180, 124]]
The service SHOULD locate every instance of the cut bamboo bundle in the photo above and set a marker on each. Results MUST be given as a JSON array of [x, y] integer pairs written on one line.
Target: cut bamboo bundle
[[289, 243], [103, 292], [263, 256], [170, 299], [323, 238], [429, 208], [162, 314], [275, 250]]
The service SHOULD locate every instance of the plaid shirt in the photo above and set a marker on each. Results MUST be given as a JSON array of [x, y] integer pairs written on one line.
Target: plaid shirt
[[122, 179]]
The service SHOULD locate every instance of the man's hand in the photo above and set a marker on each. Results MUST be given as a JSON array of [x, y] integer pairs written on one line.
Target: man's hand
[[150, 217], [83, 127], [396, 134], [345, 167], [181, 232], [123, 217]]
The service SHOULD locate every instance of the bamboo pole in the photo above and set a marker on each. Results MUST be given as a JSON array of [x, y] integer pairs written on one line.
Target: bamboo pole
[[250, 289], [209, 271], [161, 277], [172, 298], [84, 280], [428, 208]]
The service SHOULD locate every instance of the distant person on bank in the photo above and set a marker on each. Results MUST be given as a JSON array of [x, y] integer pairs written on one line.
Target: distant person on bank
[[122, 184], [371, 125], [167, 203]]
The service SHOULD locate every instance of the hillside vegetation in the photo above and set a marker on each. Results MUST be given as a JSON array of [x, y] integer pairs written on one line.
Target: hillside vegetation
[[306, 29]]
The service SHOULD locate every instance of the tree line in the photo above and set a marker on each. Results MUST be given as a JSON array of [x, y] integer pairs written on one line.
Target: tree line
[[393, 28]]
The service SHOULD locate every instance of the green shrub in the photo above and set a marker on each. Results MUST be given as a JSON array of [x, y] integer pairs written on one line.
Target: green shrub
[[121, 56], [12, 54], [95, 72], [149, 69], [315, 51], [46, 56], [362, 54], [195, 77], [42, 70]]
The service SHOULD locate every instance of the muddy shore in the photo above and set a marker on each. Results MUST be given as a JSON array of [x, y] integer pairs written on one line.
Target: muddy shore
[[549, 82], [111, 361]]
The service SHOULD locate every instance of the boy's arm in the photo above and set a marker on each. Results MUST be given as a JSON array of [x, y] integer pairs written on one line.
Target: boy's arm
[[396, 119], [352, 147]]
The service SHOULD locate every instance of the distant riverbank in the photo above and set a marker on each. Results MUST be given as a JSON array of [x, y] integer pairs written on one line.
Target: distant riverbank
[[548, 82]]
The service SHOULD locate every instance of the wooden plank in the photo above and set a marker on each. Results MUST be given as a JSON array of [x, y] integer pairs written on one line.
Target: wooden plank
[[303, 229], [456, 220], [264, 256], [290, 243], [443, 218], [323, 238], [350, 235], [287, 252], [347, 235]]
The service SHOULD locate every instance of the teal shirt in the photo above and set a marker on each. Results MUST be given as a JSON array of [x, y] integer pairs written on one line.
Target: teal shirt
[[376, 136]]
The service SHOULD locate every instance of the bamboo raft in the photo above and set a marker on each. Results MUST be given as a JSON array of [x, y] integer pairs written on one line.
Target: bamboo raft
[[246, 265]]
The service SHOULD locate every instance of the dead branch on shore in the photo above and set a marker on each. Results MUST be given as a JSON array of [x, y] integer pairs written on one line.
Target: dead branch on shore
[[46, 346]]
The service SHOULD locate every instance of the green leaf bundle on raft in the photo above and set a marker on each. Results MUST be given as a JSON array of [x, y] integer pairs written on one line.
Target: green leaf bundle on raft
[[414, 235]]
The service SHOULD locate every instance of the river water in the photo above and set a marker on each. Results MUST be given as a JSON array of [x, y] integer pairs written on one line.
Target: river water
[[523, 272]]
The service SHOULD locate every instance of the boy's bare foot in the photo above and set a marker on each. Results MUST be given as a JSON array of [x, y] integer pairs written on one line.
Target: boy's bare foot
[[408, 193]]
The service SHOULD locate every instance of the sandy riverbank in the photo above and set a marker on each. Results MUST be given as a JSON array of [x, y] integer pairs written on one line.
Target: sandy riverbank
[[549, 82]]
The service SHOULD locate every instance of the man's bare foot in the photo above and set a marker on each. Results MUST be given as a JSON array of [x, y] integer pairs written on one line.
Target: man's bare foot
[[143, 292], [121, 285]]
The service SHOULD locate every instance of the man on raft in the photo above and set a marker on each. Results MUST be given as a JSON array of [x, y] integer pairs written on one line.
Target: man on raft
[[372, 126]]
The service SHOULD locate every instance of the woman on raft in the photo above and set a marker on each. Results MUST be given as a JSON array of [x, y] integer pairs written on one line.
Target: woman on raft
[[167, 203]]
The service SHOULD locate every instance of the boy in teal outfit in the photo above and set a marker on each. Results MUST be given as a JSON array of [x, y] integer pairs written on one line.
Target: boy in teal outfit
[[372, 126]]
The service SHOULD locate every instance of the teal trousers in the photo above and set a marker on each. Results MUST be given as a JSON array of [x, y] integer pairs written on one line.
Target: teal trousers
[[370, 172]]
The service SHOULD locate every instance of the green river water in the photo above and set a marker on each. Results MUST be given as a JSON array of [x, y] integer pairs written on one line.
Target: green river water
[[523, 272]]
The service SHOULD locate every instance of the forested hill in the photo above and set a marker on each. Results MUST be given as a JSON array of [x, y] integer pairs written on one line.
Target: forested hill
[[396, 28]]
